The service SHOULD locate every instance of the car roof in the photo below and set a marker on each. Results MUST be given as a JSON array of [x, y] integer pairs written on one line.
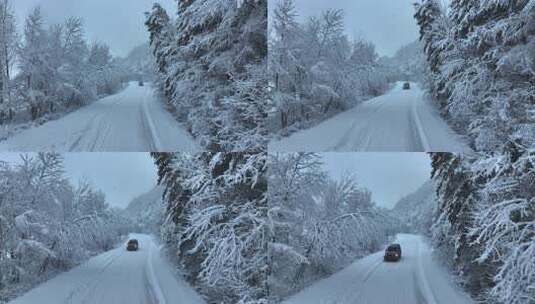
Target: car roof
[[394, 246]]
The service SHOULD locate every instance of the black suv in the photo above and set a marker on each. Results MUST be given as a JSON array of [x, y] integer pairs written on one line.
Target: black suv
[[393, 253], [132, 245], [406, 86]]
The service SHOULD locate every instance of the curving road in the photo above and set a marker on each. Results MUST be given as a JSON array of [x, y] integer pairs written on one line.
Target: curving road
[[117, 277], [130, 121], [401, 121], [416, 279]]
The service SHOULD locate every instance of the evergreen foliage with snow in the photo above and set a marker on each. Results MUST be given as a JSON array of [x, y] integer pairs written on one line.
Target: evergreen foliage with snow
[[147, 211], [47, 224], [485, 225], [211, 64], [417, 209], [483, 76], [481, 56], [317, 225], [408, 64], [215, 222], [8, 49], [315, 70]]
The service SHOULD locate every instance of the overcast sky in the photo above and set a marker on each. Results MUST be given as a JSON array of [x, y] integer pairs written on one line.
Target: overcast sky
[[389, 24], [118, 23], [121, 176], [389, 176]]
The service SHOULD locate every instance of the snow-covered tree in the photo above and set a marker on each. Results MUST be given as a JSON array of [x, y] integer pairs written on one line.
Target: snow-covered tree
[[480, 54], [485, 223], [57, 69], [209, 62], [317, 225], [8, 48], [481, 57], [47, 224], [148, 210], [33, 59], [417, 209], [315, 70], [216, 221]]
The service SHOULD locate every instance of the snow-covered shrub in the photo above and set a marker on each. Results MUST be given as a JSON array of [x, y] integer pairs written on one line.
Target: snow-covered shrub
[[69, 96]]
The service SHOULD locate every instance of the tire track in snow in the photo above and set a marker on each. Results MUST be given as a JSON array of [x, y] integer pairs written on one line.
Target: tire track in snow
[[418, 294], [419, 127], [356, 297], [427, 291], [82, 134], [154, 139], [414, 138], [372, 269], [359, 127], [154, 290], [90, 139], [89, 286]]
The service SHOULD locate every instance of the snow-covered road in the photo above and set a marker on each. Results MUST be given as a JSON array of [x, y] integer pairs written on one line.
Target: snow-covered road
[[416, 279], [130, 121], [401, 120], [116, 277]]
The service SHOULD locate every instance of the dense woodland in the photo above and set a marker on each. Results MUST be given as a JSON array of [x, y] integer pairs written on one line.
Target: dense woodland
[[416, 210], [215, 226], [235, 239], [47, 70], [147, 211], [317, 224], [482, 63], [316, 70], [47, 224], [211, 66]]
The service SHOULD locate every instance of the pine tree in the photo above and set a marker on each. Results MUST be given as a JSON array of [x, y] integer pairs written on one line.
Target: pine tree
[[33, 52], [8, 47], [216, 221], [208, 63], [159, 27]]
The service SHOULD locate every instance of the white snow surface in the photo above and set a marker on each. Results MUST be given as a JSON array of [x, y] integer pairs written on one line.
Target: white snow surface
[[401, 120], [416, 279], [130, 121], [115, 277]]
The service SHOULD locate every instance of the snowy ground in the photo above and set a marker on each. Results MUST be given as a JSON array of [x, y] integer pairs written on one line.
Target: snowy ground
[[416, 279], [131, 121], [115, 277], [401, 120]]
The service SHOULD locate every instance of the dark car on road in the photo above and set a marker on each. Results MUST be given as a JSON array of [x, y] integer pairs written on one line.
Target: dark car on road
[[393, 253], [141, 83], [132, 245], [406, 86]]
